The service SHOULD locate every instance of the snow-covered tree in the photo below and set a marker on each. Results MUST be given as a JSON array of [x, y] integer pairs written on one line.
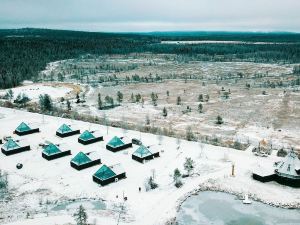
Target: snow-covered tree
[[177, 178], [189, 165], [81, 216]]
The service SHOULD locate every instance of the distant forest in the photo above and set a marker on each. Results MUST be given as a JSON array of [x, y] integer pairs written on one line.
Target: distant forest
[[25, 52]]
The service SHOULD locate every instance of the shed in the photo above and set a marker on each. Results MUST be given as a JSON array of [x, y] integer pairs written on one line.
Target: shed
[[117, 144], [144, 153], [66, 131], [89, 137], [83, 161], [106, 175], [24, 129], [52, 151], [13, 147]]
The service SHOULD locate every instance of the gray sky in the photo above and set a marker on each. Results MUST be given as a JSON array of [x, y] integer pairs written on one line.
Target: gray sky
[[152, 15]]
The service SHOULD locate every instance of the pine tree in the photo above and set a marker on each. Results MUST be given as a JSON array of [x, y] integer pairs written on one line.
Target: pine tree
[[68, 105], [99, 101], [132, 98], [200, 108], [119, 97], [219, 120], [177, 178], [178, 102], [189, 165], [189, 134], [81, 216], [45, 102], [200, 98], [165, 112]]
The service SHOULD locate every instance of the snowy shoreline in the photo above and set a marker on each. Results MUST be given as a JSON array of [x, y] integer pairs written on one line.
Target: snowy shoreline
[[213, 187]]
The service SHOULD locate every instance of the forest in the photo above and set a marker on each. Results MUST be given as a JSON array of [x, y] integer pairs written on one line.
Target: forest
[[25, 52]]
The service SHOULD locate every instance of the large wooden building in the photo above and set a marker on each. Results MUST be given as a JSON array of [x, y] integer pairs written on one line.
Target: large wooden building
[[89, 137], [143, 154], [66, 131], [52, 151]]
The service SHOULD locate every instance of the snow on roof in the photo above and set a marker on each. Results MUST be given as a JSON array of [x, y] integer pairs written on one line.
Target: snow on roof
[[93, 155], [117, 168], [104, 173], [81, 158], [289, 165], [116, 142], [86, 135], [263, 170], [23, 127]]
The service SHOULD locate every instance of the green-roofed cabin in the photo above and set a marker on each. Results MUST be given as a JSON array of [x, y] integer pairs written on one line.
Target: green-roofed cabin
[[83, 161], [52, 151], [144, 153], [89, 137], [13, 147], [24, 129], [66, 131], [117, 144], [106, 175]]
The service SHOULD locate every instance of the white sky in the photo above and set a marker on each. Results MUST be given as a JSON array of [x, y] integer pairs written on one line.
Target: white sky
[[152, 15]]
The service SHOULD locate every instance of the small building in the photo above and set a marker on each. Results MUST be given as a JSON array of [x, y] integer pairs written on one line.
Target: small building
[[52, 151], [106, 175], [117, 144], [66, 131], [83, 161], [144, 153], [89, 137], [286, 172], [13, 147], [24, 129]]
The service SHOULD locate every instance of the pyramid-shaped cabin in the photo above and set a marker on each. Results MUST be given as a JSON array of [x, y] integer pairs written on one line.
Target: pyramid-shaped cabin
[[52, 151], [13, 147], [89, 137], [143, 153], [117, 144], [106, 175], [66, 131], [83, 161], [24, 129]]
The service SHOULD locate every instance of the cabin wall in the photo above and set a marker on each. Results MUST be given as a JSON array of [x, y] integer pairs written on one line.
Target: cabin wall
[[86, 165], [67, 134], [86, 142], [15, 151], [22, 133], [56, 156]]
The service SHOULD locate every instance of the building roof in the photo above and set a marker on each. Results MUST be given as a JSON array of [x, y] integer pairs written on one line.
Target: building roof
[[51, 149], [23, 127], [81, 159], [86, 135], [289, 165], [142, 152], [115, 142], [10, 145], [104, 173], [64, 129]]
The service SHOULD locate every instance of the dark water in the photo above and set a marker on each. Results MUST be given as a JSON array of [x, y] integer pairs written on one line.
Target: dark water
[[215, 208]]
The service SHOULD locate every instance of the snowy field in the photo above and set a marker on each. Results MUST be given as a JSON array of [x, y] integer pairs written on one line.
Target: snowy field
[[33, 91], [41, 185]]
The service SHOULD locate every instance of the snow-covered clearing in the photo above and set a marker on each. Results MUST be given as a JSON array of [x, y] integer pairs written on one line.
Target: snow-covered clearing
[[52, 182], [33, 91]]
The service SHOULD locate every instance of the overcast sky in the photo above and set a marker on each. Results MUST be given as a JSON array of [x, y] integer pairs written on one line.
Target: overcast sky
[[152, 15]]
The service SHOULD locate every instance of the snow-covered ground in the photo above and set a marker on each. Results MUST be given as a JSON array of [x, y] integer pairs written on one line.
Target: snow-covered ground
[[33, 91], [42, 184]]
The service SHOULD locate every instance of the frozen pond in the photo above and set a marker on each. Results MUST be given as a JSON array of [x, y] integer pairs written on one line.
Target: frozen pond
[[217, 208], [87, 204]]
